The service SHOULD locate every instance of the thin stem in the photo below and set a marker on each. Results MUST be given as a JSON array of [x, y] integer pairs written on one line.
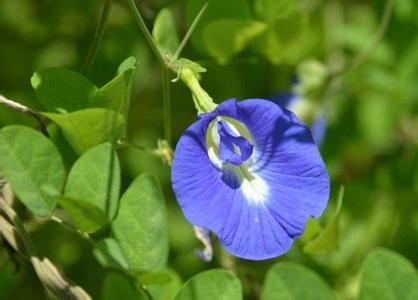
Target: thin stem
[[364, 55], [164, 70], [190, 31], [25, 110], [98, 35]]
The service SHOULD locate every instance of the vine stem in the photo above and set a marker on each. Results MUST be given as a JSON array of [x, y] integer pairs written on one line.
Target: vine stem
[[25, 110], [98, 35], [164, 70]]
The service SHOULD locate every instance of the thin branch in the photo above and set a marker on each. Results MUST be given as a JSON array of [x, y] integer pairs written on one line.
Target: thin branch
[[164, 70], [364, 55], [25, 110], [190, 31], [98, 35]]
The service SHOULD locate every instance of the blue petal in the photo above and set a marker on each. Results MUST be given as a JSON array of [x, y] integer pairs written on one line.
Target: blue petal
[[259, 212]]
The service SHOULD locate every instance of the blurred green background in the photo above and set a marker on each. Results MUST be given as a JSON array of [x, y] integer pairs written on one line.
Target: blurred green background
[[370, 147]]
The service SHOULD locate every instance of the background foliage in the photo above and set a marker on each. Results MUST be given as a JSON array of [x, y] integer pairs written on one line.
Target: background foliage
[[251, 49]]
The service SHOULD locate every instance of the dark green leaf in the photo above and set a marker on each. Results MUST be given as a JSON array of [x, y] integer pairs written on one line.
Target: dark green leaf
[[214, 284], [118, 286], [33, 166], [109, 254], [89, 127], [159, 278], [61, 90], [290, 281], [388, 276], [85, 215], [165, 33], [140, 226], [95, 178]]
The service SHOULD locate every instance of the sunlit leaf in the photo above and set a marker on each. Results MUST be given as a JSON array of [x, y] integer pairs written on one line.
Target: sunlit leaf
[[33, 166], [165, 33], [214, 284], [140, 226], [290, 281], [87, 128], [389, 276], [95, 178]]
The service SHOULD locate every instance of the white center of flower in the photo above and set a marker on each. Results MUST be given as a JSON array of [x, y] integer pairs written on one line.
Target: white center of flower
[[253, 187]]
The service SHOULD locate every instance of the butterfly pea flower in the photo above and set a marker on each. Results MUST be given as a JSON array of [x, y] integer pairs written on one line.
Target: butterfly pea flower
[[250, 172]]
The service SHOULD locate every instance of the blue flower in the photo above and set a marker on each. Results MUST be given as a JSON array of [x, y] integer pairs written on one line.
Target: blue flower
[[290, 100], [250, 172]]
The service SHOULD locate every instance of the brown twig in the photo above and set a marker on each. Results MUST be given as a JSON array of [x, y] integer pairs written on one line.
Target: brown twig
[[25, 110]]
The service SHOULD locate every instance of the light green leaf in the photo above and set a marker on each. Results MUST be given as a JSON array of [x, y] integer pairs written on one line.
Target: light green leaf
[[272, 10], [165, 33], [388, 276], [327, 239], [116, 94], [109, 254], [140, 226], [87, 128], [85, 215], [59, 89], [217, 9], [214, 284], [290, 281], [166, 291], [95, 178], [33, 166], [236, 34], [158, 278]]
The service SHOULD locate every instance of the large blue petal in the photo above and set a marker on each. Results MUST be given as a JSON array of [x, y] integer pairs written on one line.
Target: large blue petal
[[253, 221]]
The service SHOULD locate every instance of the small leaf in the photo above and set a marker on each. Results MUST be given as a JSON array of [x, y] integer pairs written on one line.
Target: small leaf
[[86, 216], [59, 89], [95, 179], [118, 286], [116, 94], [236, 35], [87, 128], [387, 275], [214, 284], [166, 291], [165, 34], [327, 239], [290, 281], [109, 254], [33, 166], [140, 226]]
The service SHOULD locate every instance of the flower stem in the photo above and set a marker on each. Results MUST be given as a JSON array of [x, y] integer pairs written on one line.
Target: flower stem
[[98, 36], [164, 70], [190, 31]]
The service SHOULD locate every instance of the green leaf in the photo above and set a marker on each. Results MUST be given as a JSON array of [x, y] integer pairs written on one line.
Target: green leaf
[[165, 33], [116, 94], [214, 284], [118, 286], [166, 291], [217, 9], [95, 179], [272, 10], [33, 166], [386, 276], [87, 128], [86, 216], [290, 281], [109, 254], [158, 278], [140, 226], [236, 34], [327, 239], [59, 89]]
